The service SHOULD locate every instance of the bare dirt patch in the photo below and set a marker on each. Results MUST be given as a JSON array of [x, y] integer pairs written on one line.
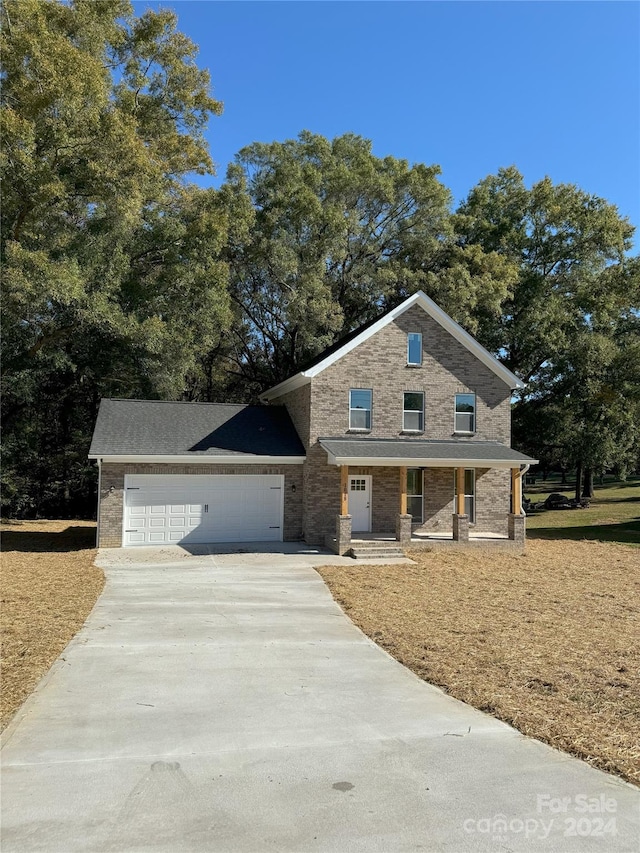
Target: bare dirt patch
[[49, 585], [548, 641]]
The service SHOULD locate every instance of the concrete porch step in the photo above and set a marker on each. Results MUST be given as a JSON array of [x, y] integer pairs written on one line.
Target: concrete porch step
[[375, 551]]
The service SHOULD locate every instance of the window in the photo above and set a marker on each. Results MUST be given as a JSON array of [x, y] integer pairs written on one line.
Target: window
[[358, 485], [360, 408], [414, 348], [413, 411], [415, 495], [465, 413], [469, 493]]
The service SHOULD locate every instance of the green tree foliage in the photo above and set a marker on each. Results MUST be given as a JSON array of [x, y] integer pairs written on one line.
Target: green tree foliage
[[336, 236], [330, 236], [122, 278], [570, 325], [111, 270]]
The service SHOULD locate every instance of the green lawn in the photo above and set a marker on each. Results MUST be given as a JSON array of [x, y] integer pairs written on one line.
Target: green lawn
[[614, 514]]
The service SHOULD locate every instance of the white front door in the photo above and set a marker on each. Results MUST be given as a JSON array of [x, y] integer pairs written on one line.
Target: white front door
[[360, 503]]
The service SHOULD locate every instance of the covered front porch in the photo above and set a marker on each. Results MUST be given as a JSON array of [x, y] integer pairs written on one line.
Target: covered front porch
[[432, 493]]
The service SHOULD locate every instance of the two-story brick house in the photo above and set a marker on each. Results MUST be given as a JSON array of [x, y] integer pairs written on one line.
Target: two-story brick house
[[403, 427]]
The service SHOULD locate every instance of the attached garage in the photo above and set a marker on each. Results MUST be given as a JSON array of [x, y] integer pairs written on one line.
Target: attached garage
[[196, 473], [172, 509]]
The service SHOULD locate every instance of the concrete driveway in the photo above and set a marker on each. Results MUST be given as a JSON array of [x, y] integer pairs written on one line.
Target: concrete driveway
[[225, 703]]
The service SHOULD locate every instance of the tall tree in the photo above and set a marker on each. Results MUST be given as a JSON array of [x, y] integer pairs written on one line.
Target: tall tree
[[569, 319], [110, 257], [326, 248]]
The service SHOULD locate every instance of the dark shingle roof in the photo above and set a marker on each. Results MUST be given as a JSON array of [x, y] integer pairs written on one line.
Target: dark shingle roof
[[422, 449], [152, 427]]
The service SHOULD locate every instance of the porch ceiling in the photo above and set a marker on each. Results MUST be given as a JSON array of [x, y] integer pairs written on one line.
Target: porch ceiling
[[422, 453]]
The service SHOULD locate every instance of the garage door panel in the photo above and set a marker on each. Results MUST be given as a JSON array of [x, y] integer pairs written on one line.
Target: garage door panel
[[202, 508]]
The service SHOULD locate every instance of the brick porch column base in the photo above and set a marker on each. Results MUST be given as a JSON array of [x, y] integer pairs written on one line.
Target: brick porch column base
[[460, 528], [343, 534], [517, 526], [403, 529]]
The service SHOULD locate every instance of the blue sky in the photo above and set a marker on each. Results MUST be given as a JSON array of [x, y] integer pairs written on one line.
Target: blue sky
[[552, 87]]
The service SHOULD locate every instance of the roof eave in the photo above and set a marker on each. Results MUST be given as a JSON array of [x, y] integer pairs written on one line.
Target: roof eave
[[191, 459], [286, 386], [426, 462]]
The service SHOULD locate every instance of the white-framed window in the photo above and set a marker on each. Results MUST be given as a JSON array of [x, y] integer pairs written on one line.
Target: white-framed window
[[360, 402], [413, 411], [414, 348], [415, 495], [469, 493], [465, 416]]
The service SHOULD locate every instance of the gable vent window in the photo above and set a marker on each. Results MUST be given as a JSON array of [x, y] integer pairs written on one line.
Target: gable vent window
[[413, 412], [465, 419], [414, 348], [360, 400]]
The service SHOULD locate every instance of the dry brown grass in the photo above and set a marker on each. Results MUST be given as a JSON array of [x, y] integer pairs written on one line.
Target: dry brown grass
[[548, 641], [49, 585]]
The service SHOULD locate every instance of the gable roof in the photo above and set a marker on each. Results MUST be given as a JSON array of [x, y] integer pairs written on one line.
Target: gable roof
[[347, 344], [205, 431]]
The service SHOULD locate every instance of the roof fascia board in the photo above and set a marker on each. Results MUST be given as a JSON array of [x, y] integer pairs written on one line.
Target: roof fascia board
[[291, 384], [202, 460], [395, 462], [470, 342], [434, 311]]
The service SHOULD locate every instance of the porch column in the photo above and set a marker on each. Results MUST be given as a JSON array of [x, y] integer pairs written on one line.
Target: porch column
[[516, 490], [344, 490], [403, 521], [403, 491], [460, 491], [516, 520], [343, 520], [460, 520]]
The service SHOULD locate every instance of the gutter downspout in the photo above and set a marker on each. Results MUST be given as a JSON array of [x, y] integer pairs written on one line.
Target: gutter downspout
[[99, 494]]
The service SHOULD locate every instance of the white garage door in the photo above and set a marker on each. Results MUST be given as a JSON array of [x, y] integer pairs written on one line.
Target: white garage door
[[172, 509]]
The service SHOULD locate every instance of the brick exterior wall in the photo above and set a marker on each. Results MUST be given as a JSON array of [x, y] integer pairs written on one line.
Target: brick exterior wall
[[298, 404], [380, 363], [493, 495], [112, 492]]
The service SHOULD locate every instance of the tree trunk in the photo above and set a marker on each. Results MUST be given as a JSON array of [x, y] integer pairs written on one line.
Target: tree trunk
[[587, 490], [578, 479]]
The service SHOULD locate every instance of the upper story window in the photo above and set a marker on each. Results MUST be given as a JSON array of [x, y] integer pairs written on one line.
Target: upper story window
[[414, 348], [413, 411], [465, 418], [360, 400]]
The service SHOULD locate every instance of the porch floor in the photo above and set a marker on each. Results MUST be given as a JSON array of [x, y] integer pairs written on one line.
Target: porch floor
[[441, 535]]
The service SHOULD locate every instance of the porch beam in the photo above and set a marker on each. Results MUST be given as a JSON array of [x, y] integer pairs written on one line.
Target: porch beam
[[460, 491], [403, 491], [516, 490], [344, 490]]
